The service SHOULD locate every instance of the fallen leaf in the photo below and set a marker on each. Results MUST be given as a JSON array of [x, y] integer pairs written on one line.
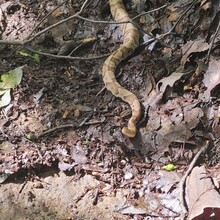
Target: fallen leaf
[[173, 15], [167, 181], [203, 198], [171, 79], [65, 114], [78, 154], [12, 78], [169, 167], [192, 116], [35, 57], [66, 166], [77, 113], [211, 79], [7, 147], [8, 81], [206, 5], [129, 209], [193, 47], [38, 95], [6, 98], [5, 175]]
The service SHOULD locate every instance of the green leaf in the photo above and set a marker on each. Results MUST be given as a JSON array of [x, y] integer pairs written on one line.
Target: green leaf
[[86, 142], [28, 136], [2, 91], [149, 19], [11, 79], [35, 57], [169, 167], [5, 99], [24, 54], [3, 177]]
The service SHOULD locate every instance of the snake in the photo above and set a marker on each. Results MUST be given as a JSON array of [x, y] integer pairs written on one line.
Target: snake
[[130, 43]]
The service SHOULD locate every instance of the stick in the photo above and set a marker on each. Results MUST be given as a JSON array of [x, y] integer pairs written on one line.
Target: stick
[[183, 180]]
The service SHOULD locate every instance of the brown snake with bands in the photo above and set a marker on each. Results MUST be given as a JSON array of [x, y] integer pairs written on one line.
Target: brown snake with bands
[[130, 43]]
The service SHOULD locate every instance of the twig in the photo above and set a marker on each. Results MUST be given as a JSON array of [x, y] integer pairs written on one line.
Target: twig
[[22, 187], [85, 120], [78, 71], [68, 57], [96, 196], [83, 6], [60, 127], [183, 180], [122, 22], [45, 30], [12, 42], [77, 15], [78, 198], [44, 133], [100, 91], [129, 21], [178, 20], [100, 21], [149, 12], [144, 13], [65, 57], [76, 48], [57, 24], [45, 17]]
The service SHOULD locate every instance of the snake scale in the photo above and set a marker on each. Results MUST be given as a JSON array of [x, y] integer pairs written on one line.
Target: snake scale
[[130, 43]]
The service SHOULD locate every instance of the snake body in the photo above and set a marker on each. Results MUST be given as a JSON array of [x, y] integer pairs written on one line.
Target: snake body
[[130, 43]]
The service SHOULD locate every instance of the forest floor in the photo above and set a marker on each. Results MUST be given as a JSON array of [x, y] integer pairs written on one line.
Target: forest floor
[[62, 153]]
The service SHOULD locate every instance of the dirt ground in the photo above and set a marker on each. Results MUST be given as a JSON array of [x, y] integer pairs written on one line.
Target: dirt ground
[[62, 153]]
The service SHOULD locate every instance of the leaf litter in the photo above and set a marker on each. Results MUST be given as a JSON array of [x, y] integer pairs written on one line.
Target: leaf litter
[[51, 94]]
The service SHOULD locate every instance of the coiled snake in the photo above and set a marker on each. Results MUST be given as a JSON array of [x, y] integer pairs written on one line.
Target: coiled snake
[[130, 43]]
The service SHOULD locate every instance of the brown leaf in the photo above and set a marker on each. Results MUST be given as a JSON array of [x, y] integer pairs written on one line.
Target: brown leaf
[[192, 116], [206, 5], [66, 166], [169, 81], [78, 154], [211, 78], [204, 200], [193, 47]]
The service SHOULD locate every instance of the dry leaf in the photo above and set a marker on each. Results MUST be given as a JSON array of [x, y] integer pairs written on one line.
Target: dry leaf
[[206, 4], [171, 80], [173, 16], [77, 113], [204, 200], [193, 47], [65, 114], [211, 78]]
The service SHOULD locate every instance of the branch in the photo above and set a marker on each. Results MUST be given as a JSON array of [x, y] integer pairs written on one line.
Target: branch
[[65, 57], [77, 15], [58, 23], [178, 20], [12, 42], [122, 22], [183, 180]]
